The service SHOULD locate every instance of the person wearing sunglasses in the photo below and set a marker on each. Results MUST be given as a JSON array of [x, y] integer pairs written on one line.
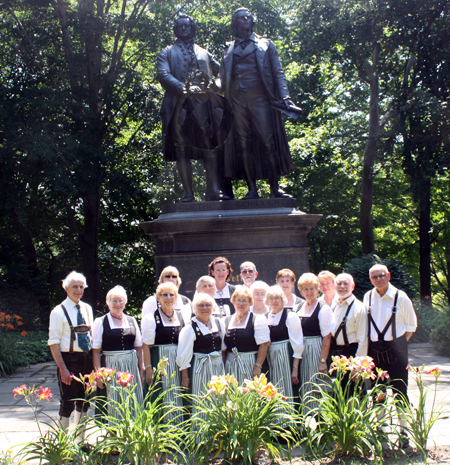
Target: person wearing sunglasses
[[200, 346], [160, 332], [169, 275], [248, 273]]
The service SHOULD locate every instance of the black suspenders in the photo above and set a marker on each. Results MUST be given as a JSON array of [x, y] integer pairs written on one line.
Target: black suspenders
[[391, 321], [342, 326]]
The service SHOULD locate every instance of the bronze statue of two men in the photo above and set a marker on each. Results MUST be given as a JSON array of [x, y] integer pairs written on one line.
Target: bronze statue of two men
[[238, 136]]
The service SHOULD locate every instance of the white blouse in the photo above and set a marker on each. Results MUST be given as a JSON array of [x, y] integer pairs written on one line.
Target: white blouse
[[97, 331], [151, 304], [187, 338], [148, 325], [294, 327], [262, 332], [326, 317]]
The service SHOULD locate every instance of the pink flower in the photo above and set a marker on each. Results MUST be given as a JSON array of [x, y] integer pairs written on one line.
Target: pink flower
[[124, 378], [104, 374], [44, 394]]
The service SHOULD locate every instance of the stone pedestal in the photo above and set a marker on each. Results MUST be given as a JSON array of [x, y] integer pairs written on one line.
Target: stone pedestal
[[269, 232]]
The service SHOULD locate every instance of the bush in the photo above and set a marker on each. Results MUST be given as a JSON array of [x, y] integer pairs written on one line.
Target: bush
[[19, 351], [440, 334], [359, 269]]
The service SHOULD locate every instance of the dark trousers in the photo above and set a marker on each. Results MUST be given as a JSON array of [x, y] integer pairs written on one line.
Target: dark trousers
[[392, 356], [73, 395]]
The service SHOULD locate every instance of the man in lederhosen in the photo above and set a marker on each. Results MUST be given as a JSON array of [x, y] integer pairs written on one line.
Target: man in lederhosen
[[350, 316], [392, 321], [70, 343]]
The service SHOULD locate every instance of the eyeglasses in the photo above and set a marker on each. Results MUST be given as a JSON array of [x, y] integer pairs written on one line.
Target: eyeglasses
[[247, 271], [166, 294], [172, 276], [117, 302], [271, 299], [239, 301], [378, 276], [204, 306]]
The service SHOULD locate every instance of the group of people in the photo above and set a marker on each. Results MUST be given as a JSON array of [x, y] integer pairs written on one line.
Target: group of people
[[243, 330]]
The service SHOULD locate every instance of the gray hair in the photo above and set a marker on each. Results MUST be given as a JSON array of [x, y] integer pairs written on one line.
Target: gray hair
[[276, 291], [379, 266], [117, 290], [248, 264], [73, 276], [344, 275], [259, 285], [202, 298], [205, 279]]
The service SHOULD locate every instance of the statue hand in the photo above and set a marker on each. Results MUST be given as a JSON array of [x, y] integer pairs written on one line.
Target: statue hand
[[288, 103], [194, 89]]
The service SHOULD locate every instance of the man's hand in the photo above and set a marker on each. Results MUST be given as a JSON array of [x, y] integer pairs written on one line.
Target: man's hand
[[66, 376]]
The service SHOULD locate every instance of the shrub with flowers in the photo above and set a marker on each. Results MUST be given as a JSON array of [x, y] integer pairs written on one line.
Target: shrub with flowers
[[140, 433], [56, 446], [348, 415], [419, 420], [242, 421]]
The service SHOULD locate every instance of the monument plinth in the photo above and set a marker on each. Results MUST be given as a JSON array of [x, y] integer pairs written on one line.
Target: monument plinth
[[272, 233]]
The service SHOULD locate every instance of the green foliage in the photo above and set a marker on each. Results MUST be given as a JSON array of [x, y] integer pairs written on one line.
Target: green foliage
[[440, 334], [348, 415], [359, 269], [419, 420], [21, 351], [142, 433], [241, 421]]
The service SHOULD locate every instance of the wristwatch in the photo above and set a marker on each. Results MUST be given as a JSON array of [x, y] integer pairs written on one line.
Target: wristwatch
[[322, 360]]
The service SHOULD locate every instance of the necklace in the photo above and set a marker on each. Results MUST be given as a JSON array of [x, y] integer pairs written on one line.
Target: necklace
[[240, 320], [115, 317], [169, 317]]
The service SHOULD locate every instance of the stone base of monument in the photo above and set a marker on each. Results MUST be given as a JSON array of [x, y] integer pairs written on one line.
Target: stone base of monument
[[269, 232]]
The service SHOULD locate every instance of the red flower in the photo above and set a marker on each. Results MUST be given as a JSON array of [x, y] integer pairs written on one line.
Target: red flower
[[23, 333], [10, 326], [20, 390], [434, 370]]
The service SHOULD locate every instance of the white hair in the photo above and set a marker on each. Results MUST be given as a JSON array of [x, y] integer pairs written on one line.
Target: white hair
[[276, 291], [379, 266], [251, 264], [117, 290], [259, 285], [346, 276], [204, 279], [73, 276], [202, 298]]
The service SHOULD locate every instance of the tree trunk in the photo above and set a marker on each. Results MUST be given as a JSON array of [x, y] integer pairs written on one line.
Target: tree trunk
[[365, 218], [425, 240], [89, 251]]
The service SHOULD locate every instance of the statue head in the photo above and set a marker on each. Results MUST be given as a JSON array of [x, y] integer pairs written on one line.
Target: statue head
[[184, 27], [242, 22]]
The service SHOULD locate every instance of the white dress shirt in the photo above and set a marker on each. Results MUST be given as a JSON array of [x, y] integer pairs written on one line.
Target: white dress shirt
[[356, 324], [59, 329], [406, 320]]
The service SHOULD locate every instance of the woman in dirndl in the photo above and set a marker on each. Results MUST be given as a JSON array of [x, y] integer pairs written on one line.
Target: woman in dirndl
[[200, 347], [117, 344], [246, 336], [286, 343], [317, 325], [160, 332]]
